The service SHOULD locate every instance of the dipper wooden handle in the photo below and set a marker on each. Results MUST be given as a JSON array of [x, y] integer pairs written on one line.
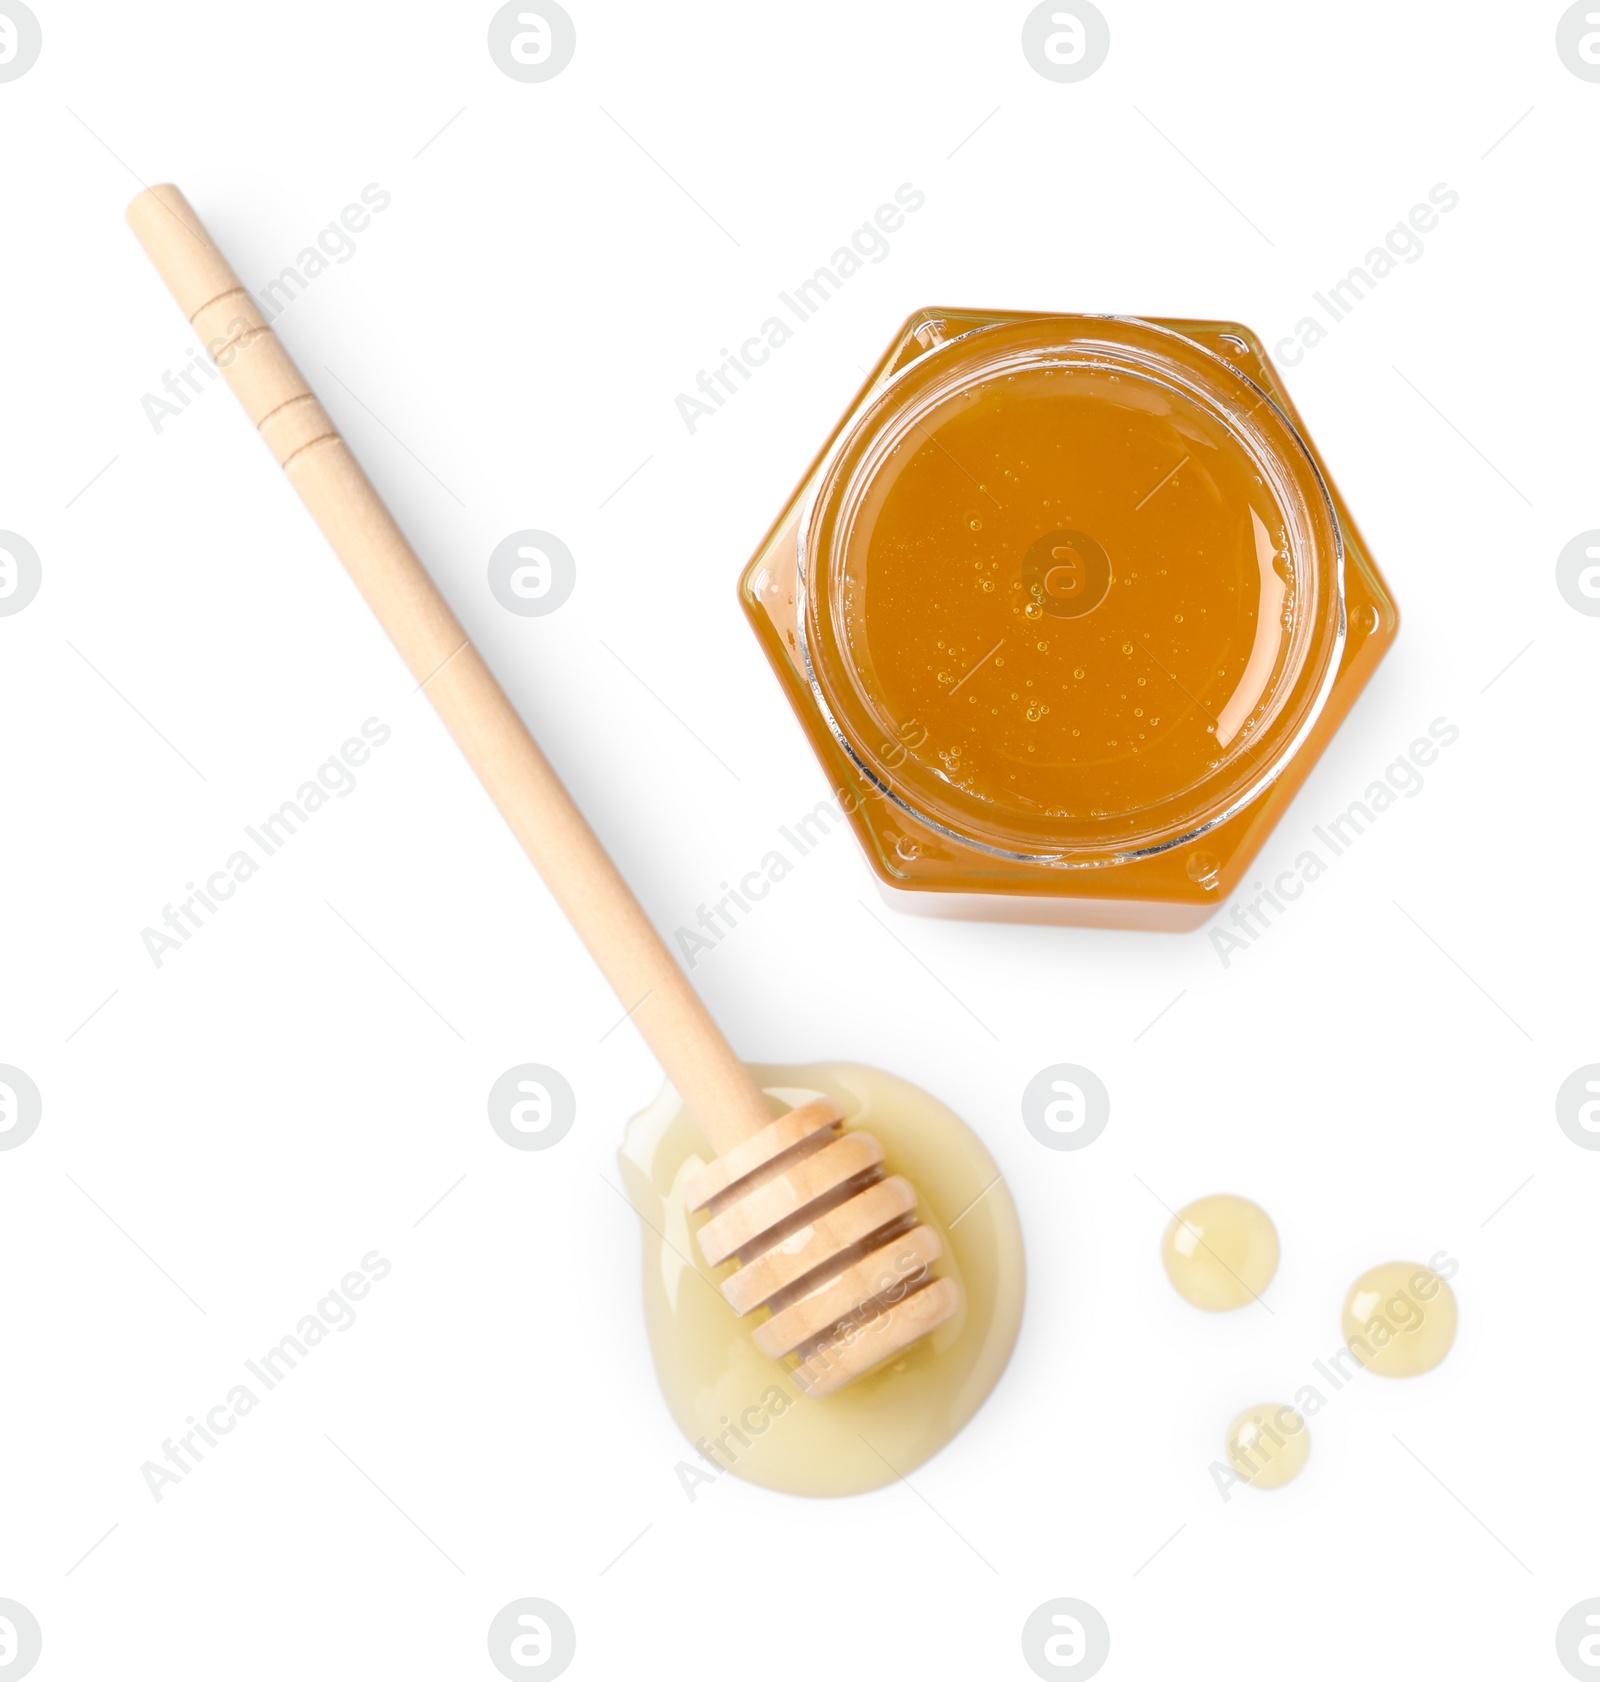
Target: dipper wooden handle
[[700, 1063], [826, 1243]]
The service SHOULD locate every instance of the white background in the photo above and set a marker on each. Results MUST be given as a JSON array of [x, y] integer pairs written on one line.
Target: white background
[[274, 1101]]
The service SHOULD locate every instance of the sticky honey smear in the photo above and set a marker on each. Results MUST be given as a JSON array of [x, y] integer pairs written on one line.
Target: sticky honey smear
[[747, 1414]]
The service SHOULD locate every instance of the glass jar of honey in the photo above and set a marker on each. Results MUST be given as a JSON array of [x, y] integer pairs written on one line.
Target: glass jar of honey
[[1068, 606]]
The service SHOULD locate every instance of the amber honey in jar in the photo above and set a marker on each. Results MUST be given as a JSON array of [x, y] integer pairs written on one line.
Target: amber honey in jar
[[1068, 606]]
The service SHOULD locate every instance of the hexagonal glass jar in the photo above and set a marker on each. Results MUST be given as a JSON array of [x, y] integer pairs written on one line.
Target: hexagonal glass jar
[[1068, 606]]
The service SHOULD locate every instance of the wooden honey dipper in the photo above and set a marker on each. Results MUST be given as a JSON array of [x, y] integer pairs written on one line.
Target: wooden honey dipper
[[825, 1241]]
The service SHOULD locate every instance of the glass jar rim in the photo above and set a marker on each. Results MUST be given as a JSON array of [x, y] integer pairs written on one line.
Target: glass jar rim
[[1257, 424]]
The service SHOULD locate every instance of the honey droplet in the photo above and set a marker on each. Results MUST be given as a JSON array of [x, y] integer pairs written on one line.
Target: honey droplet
[[1202, 868], [1220, 1252], [1400, 1319], [1268, 1445]]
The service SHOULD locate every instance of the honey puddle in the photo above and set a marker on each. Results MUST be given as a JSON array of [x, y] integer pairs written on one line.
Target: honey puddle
[[740, 1409]]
